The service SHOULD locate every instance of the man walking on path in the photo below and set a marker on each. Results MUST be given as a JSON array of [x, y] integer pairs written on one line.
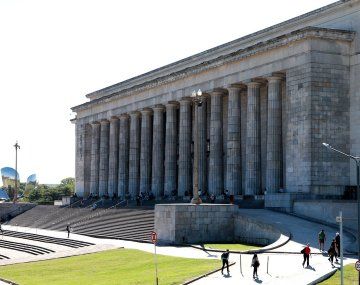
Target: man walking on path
[[225, 260], [337, 241], [322, 239], [68, 229], [306, 252]]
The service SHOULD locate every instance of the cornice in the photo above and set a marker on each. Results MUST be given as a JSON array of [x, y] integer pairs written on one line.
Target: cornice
[[283, 40]]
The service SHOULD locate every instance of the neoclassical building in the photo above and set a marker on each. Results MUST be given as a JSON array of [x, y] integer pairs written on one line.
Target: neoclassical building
[[269, 101]]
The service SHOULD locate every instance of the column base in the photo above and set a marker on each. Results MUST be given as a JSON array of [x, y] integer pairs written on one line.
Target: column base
[[196, 201]]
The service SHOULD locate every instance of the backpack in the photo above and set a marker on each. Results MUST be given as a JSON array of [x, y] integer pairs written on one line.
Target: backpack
[[302, 251]]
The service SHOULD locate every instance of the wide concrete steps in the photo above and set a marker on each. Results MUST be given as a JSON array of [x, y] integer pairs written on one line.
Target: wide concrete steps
[[46, 239], [31, 249], [130, 223]]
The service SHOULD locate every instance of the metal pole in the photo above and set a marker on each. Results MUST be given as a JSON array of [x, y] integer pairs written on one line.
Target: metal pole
[[16, 173], [156, 270], [267, 265], [241, 266], [196, 199], [341, 250], [358, 207]]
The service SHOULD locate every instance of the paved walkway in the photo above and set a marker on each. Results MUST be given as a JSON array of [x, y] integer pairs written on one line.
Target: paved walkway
[[283, 268]]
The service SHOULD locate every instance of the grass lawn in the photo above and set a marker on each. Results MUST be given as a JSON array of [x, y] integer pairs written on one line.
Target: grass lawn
[[350, 277], [231, 246], [120, 266]]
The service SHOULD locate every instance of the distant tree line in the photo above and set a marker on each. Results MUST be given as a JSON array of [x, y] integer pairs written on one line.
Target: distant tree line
[[43, 193]]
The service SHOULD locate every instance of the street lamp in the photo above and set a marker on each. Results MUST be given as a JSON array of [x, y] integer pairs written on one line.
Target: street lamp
[[198, 100], [17, 146], [357, 161]]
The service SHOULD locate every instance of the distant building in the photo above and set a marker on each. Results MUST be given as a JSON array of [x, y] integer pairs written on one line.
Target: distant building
[[272, 98]]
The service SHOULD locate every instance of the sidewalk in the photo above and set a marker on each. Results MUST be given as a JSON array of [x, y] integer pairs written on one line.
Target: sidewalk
[[285, 263]]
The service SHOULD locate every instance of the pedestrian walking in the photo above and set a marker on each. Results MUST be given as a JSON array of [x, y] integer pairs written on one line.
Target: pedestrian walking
[[68, 229], [332, 251], [225, 261], [255, 263], [322, 239], [337, 248], [306, 254]]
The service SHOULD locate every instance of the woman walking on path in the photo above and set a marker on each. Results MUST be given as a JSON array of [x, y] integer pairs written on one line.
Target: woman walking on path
[[255, 263]]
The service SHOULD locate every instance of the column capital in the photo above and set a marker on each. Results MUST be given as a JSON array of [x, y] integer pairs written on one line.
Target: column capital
[[217, 92], [254, 84], [114, 118], [104, 121], [158, 108], [134, 114], [146, 111], [124, 116], [236, 87], [172, 104], [272, 79], [185, 100], [94, 123]]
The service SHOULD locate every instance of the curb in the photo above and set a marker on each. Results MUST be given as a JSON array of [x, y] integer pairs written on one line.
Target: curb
[[8, 281], [322, 278], [204, 275], [251, 251]]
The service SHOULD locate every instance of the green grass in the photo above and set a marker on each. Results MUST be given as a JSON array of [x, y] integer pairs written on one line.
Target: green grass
[[350, 277], [231, 246], [120, 266]]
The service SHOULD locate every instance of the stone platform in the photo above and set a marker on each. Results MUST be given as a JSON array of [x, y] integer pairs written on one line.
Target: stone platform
[[188, 223]]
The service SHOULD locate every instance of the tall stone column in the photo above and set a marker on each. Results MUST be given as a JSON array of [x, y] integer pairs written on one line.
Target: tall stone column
[[184, 176], [95, 158], [104, 157], [274, 139], [233, 152], [134, 157], [170, 148], [202, 130], [145, 151], [157, 182], [123, 175], [253, 175], [80, 138], [113, 156], [216, 173]]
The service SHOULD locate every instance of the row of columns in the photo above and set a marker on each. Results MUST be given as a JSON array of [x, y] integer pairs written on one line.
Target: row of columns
[[135, 153]]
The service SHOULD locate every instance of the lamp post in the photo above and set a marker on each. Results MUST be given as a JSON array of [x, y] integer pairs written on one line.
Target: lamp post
[[197, 99], [17, 146], [357, 161]]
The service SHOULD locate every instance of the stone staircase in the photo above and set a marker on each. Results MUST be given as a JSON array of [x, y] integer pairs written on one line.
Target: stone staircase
[[129, 223], [46, 239]]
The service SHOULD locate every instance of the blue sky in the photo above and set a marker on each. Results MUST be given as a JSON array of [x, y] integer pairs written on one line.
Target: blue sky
[[53, 53]]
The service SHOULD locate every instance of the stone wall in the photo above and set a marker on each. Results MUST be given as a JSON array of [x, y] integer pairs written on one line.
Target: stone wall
[[187, 223], [251, 231], [327, 211]]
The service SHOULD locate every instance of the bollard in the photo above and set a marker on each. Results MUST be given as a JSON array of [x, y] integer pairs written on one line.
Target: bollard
[[240, 266], [267, 265]]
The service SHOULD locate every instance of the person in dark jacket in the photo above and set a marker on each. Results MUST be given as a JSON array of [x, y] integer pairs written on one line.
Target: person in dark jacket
[[68, 229], [225, 261], [337, 241], [255, 263], [332, 251]]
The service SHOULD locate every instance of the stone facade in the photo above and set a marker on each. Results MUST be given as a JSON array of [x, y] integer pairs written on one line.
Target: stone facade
[[271, 99]]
